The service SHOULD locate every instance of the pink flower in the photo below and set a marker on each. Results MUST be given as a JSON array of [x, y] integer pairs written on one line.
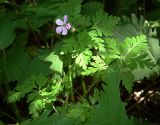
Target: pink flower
[[63, 26]]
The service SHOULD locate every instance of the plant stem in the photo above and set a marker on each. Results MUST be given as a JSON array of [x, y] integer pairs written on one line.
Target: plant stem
[[51, 28], [71, 89], [66, 101], [92, 85], [70, 79], [84, 87], [72, 95], [16, 112], [9, 116]]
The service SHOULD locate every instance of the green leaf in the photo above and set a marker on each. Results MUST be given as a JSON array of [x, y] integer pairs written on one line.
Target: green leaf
[[57, 64], [14, 96], [41, 80], [43, 119], [154, 48], [71, 8], [35, 106], [97, 65], [68, 45], [21, 62], [78, 44], [134, 45], [83, 59], [113, 50], [34, 82], [141, 73], [80, 111], [135, 52], [36, 16], [83, 41], [126, 30], [90, 8], [128, 79], [110, 110], [55, 119], [7, 34], [129, 27], [35, 67], [104, 23], [24, 88], [97, 41], [80, 22]]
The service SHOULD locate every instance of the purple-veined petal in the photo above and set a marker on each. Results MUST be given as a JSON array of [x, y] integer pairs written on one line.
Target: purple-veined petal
[[65, 18], [68, 26], [64, 31], [59, 22], [59, 29]]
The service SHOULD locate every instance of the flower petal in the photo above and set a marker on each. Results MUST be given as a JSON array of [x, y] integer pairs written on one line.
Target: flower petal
[[59, 22], [65, 18], [68, 26], [59, 29], [64, 31]]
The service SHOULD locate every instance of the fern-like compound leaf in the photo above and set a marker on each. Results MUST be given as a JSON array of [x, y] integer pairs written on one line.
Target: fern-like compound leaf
[[104, 23]]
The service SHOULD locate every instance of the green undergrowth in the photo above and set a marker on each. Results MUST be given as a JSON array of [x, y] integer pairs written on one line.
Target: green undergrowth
[[48, 71]]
